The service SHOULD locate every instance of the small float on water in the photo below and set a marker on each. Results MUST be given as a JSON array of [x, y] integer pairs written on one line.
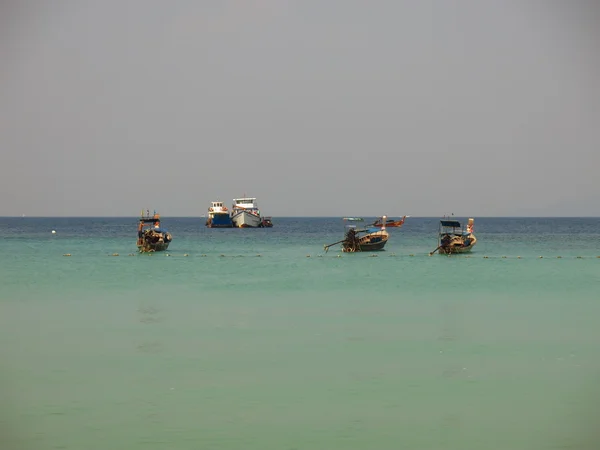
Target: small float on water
[[151, 237], [453, 239], [361, 240]]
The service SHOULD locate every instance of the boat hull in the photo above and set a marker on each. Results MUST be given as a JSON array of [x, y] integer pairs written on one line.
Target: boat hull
[[369, 243], [396, 224], [245, 219], [147, 247], [458, 246], [152, 241], [219, 220], [373, 246]]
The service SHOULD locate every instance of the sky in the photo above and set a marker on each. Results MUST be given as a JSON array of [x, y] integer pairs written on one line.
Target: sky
[[317, 108]]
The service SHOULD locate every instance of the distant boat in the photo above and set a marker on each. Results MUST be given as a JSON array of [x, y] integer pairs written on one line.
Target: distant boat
[[151, 237], [453, 239], [390, 223], [245, 213], [362, 240], [218, 216]]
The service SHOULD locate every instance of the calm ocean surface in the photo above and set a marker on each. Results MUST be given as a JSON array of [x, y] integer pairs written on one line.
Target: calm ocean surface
[[296, 349]]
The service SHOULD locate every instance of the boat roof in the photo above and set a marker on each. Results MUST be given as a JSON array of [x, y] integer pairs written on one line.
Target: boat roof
[[244, 198], [146, 215], [354, 219], [450, 223]]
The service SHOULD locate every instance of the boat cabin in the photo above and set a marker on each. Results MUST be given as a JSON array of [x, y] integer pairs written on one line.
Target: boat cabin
[[218, 207], [147, 221], [246, 202], [452, 227]]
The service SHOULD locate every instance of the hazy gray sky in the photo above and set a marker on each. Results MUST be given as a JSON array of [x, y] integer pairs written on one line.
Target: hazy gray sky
[[315, 107]]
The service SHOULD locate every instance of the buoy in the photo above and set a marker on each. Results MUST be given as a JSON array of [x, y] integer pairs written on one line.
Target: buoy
[[485, 257], [504, 257], [411, 254], [579, 257], [339, 256], [185, 254], [67, 254], [115, 254], [53, 231], [308, 256], [559, 257], [541, 257], [222, 255], [373, 256], [259, 254], [518, 257], [203, 256], [167, 254]]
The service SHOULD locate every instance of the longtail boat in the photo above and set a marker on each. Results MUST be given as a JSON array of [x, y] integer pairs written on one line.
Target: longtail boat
[[361, 240], [452, 238], [151, 237], [390, 223]]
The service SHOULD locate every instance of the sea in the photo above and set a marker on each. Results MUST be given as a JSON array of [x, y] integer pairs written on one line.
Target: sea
[[258, 339]]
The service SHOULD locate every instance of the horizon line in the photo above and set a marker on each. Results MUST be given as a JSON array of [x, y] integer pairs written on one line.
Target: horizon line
[[304, 217]]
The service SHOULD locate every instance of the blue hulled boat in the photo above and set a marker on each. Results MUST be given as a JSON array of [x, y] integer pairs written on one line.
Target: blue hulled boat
[[218, 216]]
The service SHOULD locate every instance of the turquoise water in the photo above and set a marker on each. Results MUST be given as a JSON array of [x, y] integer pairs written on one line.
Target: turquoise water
[[295, 348]]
